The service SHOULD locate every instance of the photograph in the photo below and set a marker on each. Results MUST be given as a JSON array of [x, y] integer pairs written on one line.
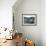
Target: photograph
[[29, 19]]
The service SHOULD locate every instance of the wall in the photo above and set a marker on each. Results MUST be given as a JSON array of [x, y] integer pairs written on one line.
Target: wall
[[43, 22], [28, 7], [6, 13]]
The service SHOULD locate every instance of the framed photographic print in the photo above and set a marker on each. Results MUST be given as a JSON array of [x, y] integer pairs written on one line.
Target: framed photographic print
[[29, 19]]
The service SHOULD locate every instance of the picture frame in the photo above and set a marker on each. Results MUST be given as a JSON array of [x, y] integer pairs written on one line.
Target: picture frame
[[29, 19]]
